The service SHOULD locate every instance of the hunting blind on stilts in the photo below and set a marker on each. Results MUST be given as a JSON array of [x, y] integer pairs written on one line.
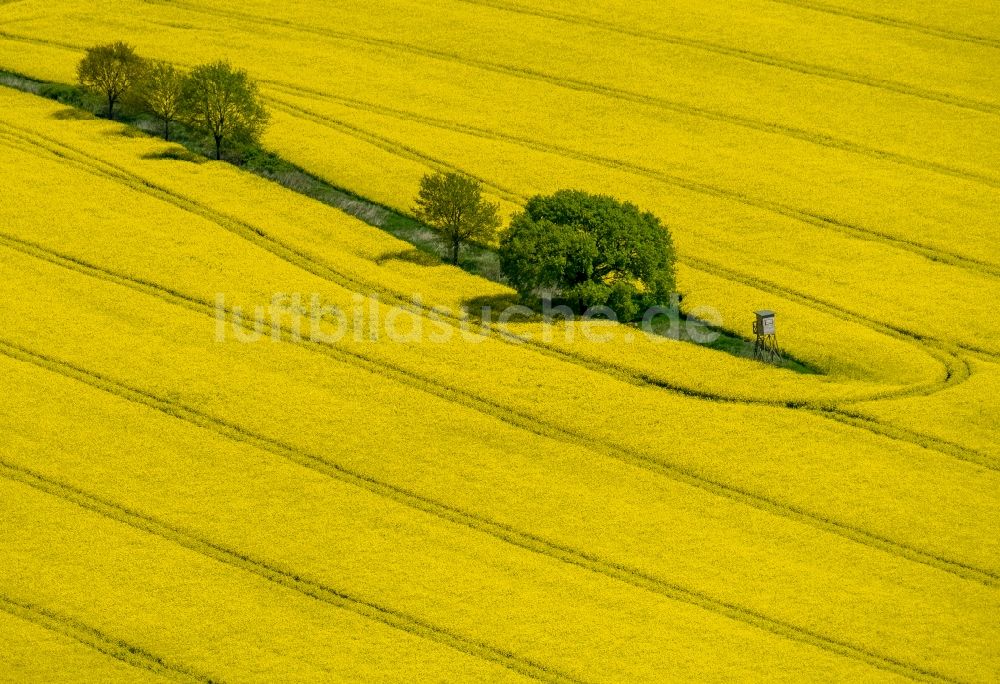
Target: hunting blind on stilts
[[765, 347]]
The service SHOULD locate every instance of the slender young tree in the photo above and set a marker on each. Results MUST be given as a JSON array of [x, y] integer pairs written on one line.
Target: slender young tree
[[224, 103], [454, 204], [161, 92], [112, 70]]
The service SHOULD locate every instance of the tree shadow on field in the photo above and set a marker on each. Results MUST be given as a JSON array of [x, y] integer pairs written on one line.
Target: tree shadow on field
[[72, 113], [411, 256], [497, 304], [126, 131], [176, 153]]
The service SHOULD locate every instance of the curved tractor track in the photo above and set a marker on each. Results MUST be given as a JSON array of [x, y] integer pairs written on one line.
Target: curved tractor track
[[956, 371], [291, 579]]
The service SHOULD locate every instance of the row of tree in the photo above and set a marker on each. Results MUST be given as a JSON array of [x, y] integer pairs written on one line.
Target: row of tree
[[581, 249], [215, 99]]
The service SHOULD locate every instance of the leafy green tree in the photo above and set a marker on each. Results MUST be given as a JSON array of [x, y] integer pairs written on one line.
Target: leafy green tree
[[454, 204], [112, 70], [545, 256], [161, 92], [589, 250], [224, 103]]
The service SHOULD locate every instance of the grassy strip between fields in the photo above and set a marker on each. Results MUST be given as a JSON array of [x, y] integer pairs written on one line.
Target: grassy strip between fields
[[476, 259]]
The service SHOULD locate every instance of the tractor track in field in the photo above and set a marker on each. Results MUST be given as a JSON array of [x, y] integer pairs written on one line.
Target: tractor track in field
[[858, 232], [867, 422], [854, 230], [97, 640], [908, 334], [804, 135], [956, 370], [442, 511], [534, 425], [936, 31], [823, 222], [702, 45], [856, 420], [284, 577], [806, 68], [319, 267], [706, 46], [406, 152]]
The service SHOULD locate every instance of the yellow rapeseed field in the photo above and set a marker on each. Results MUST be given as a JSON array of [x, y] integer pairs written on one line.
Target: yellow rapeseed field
[[187, 494]]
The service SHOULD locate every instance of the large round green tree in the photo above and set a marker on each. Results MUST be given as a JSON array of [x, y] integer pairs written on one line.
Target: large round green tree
[[589, 250]]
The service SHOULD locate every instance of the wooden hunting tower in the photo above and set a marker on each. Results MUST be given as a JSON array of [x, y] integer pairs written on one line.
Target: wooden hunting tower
[[766, 346]]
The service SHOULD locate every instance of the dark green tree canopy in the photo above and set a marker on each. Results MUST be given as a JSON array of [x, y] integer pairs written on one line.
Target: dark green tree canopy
[[224, 103], [454, 204], [112, 70], [589, 250]]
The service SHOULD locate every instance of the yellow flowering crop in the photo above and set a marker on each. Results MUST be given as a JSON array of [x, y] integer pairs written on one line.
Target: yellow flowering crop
[[183, 498]]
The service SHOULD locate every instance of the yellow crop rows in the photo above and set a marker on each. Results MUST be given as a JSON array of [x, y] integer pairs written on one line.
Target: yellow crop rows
[[519, 501]]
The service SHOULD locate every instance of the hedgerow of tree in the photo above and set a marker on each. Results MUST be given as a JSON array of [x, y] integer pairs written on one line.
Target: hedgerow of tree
[[215, 100], [581, 249]]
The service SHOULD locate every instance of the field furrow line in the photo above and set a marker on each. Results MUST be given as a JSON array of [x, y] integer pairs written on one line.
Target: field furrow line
[[406, 152], [286, 252], [524, 421], [30, 141], [936, 31], [457, 516], [97, 640], [956, 368], [821, 139], [828, 223], [246, 423], [288, 578], [950, 361], [988, 356], [459, 394], [18, 38], [745, 55], [825, 222], [892, 431], [854, 230], [957, 371]]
